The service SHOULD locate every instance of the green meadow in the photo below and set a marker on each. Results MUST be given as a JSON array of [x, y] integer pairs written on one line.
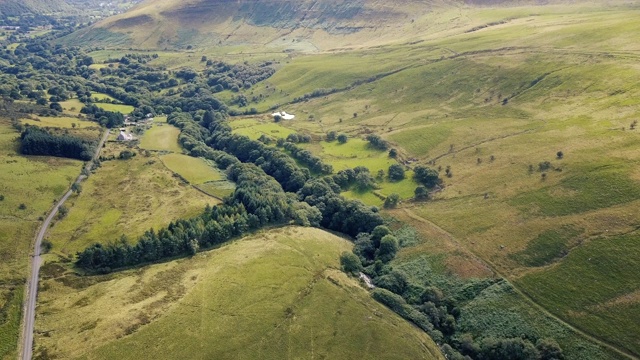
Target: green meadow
[[124, 109], [195, 170], [594, 287], [254, 128], [72, 106], [102, 97], [272, 295], [60, 122], [161, 137]]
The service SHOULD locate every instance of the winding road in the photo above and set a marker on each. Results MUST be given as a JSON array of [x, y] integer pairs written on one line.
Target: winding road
[[36, 260]]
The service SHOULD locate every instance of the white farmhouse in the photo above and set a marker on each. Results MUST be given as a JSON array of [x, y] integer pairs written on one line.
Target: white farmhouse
[[124, 136], [283, 115]]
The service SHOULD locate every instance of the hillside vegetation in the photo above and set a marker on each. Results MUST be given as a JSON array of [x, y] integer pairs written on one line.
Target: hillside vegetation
[[499, 138], [274, 295], [536, 119]]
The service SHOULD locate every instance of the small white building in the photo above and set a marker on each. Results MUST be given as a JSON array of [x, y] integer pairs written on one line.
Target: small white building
[[124, 136], [283, 115]]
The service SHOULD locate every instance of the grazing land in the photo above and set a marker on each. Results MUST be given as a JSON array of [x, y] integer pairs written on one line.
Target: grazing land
[[134, 195], [125, 109], [495, 112], [36, 182], [161, 138], [219, 189], [605, 268], [254, 129], [196, 171], [102, 97], [60, 122], [72, 106], [272, 295]]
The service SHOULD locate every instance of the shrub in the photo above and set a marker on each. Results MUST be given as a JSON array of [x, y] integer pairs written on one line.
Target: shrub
[[396, 172], [421, 193], [343, 138], [350, 263], [391, 201], [549, 350], [426, 176], [331, 135], [388, 248], [544, 166], [126, 155]]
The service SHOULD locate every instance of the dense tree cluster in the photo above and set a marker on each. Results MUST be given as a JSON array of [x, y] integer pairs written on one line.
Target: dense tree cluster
[[109, 119], [222, 76], [396, 172], [377, 142], [360, 177], [273, 161], [39, 141], [426, 176], [350, 217], [307, 158]]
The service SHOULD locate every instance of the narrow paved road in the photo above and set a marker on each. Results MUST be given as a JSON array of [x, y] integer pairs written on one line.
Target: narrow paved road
[[32, 286]]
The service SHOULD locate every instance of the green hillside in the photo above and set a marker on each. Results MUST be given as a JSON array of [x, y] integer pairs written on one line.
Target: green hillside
[[527, 110], [25, 7], [273, 295], [494, 105]]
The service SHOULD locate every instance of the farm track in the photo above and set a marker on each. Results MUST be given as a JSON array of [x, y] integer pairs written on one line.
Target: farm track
[[29, 309], [524, 295]]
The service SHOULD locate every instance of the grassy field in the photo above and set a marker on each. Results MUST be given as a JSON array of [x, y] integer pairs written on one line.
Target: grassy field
[[254, 128], [125, 109], [35, 182], [431, 256], [60, 122], [161, 137], [72, 106], [124, 197], [196, 171], [273, 295], [101, 97], [219, 189]]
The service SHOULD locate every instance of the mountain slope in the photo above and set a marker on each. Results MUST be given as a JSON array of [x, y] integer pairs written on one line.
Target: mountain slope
[[273, 295], [324, 24], [307, 25], [20, 7]]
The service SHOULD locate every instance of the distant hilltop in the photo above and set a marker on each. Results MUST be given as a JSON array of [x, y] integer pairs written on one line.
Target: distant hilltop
[[286, 25]]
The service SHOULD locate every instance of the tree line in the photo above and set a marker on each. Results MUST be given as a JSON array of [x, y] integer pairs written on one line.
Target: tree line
[[38, 141]]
